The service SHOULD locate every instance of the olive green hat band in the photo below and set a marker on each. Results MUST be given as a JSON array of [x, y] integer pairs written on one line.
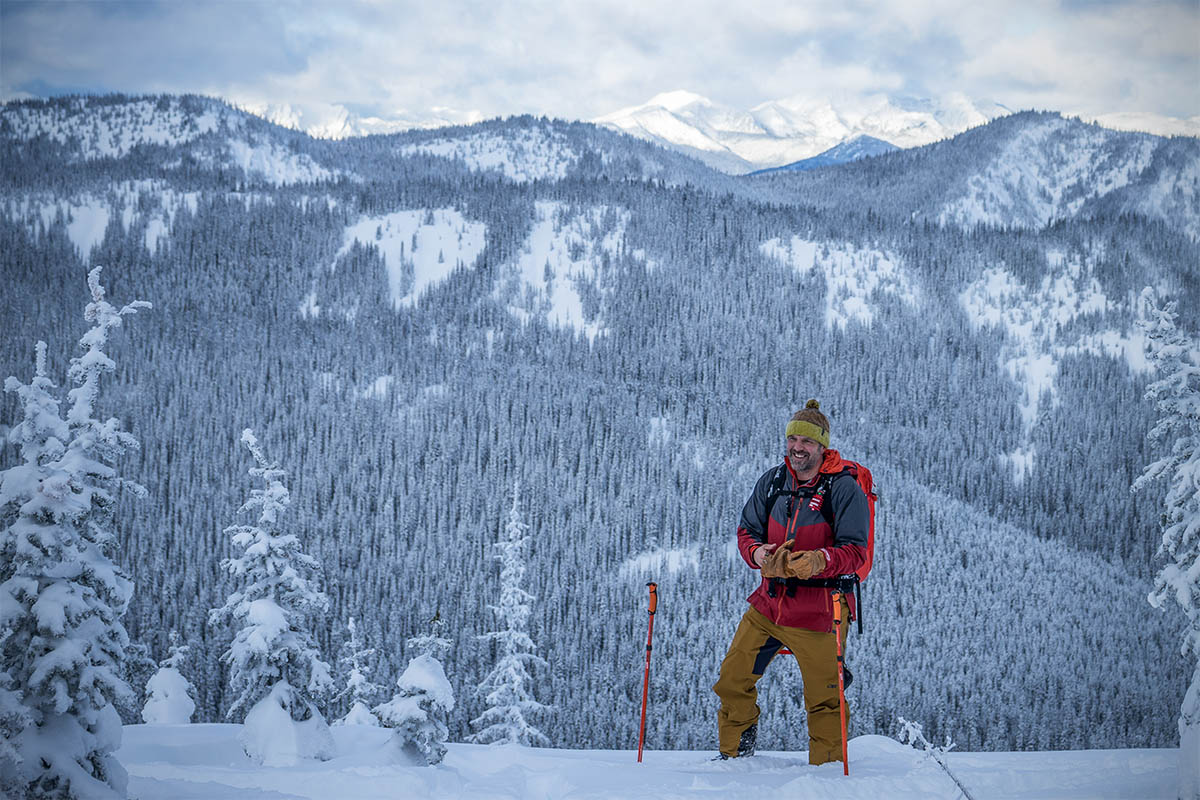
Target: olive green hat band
[[799, 427]]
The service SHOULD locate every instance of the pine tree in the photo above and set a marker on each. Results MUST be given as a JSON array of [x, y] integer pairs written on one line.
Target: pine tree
[[170, 697], [359, 688], [62, 596], [138, 668], [506, 690], [275, 670], [419, 709], [1177, 396]]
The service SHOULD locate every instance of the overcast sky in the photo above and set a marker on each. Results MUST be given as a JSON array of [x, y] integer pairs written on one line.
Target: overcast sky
[[579, 60]]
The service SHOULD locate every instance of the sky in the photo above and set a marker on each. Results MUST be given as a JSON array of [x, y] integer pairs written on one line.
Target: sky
[[466, 60]]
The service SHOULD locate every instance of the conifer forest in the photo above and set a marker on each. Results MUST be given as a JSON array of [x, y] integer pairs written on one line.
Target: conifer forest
[[414, 324]]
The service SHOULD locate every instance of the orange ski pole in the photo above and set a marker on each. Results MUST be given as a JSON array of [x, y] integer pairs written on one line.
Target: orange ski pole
[[837, 628], [646, 682]]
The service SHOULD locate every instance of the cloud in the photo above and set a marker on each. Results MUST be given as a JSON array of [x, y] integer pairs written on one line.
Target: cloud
[[583, 59]]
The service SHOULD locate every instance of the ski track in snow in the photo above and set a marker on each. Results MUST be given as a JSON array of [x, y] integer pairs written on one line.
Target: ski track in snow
[[852, 276], [205, 762]]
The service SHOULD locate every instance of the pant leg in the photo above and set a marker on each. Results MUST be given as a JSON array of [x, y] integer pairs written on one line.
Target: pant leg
[[816, 653], [751, 650]]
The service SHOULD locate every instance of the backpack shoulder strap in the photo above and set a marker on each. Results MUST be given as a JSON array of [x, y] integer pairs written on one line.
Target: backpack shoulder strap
[[778, 481]]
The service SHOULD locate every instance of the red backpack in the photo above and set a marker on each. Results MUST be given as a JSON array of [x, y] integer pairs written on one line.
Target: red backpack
[[867, 484]]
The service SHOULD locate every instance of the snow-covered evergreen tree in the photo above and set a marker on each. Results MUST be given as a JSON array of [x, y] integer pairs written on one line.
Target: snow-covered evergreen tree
[[360, 691], [170, 697], [276, 671], [62, 596], [138, 668], [507, 689], [1177, 396], [418, 711]]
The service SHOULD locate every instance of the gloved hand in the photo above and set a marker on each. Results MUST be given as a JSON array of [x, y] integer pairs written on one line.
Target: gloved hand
[[775, 564], [805, 564]]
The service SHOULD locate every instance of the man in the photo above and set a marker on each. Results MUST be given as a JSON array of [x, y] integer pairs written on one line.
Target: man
[[814, 528]]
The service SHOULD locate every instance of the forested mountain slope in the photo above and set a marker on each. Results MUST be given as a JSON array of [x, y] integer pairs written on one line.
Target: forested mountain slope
[[423, 320], [1026, 170]]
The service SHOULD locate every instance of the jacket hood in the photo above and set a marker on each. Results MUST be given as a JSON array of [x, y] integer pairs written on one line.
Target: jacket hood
[[832, 462]]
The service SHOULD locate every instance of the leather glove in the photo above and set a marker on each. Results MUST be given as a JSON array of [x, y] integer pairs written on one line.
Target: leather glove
[[805, 564], [775, 564]]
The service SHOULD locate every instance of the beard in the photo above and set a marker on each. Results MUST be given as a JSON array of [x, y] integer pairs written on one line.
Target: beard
[[803, 462]]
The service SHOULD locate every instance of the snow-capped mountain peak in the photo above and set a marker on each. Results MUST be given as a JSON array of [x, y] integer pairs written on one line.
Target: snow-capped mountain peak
[[794, 128]]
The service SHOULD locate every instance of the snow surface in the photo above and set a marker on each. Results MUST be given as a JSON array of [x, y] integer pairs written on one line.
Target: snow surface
[[853, 276], [276, 164], [660, 562], [528, 155], [87, 216], [276, 740], [564, 252], [444, 240], [202, 762], [1037, 333]]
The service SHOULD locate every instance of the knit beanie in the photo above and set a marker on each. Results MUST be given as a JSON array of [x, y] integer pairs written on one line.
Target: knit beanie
[[810, 422]]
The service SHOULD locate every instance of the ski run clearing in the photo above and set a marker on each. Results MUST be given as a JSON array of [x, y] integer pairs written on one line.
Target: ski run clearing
[[195, 762]]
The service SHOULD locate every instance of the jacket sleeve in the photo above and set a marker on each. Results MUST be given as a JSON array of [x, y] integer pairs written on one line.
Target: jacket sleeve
[[752, 530], [850, 522]]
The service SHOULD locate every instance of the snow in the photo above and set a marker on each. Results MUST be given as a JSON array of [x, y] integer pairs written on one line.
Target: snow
[[1039, 176], [380, 388], [424, 673], [1035, 324], [444, 239], [564, 254], [202, 762], [276, 164], [113, 131], [523, 156], [88, 215], [279, 741], [794, 128], [853, 276], [659, 561], [168, 701]]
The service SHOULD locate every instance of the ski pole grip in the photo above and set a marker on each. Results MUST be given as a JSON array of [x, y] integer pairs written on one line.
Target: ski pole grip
[[653, 596]]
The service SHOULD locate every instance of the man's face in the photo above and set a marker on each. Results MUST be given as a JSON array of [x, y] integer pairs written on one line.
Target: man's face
[[804, 454]]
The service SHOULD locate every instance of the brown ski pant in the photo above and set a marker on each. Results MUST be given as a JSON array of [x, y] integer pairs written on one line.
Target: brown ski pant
[[755, 643]]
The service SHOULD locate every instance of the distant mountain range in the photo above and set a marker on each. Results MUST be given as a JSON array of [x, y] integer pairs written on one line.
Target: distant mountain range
[[785, 131], [778, 133]]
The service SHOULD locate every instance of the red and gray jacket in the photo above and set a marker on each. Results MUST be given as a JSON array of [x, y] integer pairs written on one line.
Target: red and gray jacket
[[800, 513]]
